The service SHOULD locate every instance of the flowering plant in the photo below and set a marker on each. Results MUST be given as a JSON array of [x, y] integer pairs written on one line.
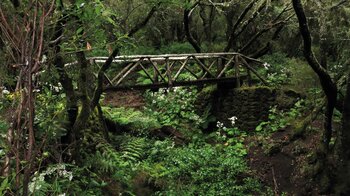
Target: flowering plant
[[230, 136], [173, 107]]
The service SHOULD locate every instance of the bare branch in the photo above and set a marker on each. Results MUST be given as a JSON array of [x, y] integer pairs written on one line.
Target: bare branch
[[239, 20], [143, 23], [187, 19]]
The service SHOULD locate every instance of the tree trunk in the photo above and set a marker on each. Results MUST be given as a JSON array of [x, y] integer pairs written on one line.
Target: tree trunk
[[328, 86], [343, 150], [330, 89], [187, 20], [207, 20]]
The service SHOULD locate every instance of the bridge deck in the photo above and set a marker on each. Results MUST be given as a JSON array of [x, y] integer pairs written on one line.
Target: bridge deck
[[158, 71]]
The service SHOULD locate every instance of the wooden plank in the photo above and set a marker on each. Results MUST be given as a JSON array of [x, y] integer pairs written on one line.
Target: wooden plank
[[108, 80], [181, 68], [225, 67], [203, 66], [128, 72], [145, 70], [211, 65], [156, 68], [220, 66], [155, 76], [163, 56], [168, 68], [254, 71], [171, 57], [122, 72], [104, 74], [191, 72]]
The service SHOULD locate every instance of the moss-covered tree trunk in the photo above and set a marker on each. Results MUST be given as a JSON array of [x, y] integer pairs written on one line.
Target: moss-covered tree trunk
[[329, 88], [343, 150]]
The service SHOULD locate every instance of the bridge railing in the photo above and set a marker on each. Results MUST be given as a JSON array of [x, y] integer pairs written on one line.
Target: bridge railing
[[179, 70]]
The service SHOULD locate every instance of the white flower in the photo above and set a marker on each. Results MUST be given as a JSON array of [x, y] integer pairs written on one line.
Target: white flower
[[266, 65], [154, 101], [219, 125], [5, 92], [233, 120]]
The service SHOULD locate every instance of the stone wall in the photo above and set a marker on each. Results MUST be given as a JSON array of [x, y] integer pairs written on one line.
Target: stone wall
[[249, 104]]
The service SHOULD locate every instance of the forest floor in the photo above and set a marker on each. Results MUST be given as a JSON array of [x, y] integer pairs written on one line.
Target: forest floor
[[284, 162], [280, 161], [130, 99]]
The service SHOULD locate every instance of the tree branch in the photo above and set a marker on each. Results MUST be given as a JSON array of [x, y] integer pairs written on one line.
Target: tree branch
[[239, 20], [143, 23], [189, 36], [99, 88], [262, 31]]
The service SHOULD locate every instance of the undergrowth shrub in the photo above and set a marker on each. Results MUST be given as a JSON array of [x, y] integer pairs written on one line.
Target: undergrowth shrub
[[200, 170], [50, 114], [136, 120], [119, 165], [65, 179], [279, 119], [173, 107], [3, 150], [295, 73], [177, 48]]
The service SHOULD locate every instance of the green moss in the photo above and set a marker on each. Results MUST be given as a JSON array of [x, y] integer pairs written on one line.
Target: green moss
[[255, 88], [272, 148], [286, 98], [299, 127]]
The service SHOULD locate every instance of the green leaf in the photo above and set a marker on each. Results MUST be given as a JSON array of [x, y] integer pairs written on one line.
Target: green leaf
[[4, 186], [79, 30]]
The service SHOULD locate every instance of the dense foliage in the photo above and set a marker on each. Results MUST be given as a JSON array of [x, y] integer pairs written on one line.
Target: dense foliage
[[59, 137]]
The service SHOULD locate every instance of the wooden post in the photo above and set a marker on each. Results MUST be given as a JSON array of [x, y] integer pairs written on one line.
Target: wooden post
[[237, 74], [249, 77], [155, 73], [168, 71], [220, 65]]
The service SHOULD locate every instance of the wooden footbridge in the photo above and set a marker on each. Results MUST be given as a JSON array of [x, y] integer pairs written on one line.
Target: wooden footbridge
[[170, 70]]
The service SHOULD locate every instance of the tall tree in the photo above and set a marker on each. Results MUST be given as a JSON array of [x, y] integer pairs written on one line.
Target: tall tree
[[330, 89], [24, 29], [328, 85]]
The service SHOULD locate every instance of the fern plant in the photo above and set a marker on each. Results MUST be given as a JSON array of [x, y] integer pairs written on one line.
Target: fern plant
[[134, 150], [134, 119]]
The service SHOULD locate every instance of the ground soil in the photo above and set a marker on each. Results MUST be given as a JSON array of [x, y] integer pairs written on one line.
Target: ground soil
[[281, 162], [130, 99]]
